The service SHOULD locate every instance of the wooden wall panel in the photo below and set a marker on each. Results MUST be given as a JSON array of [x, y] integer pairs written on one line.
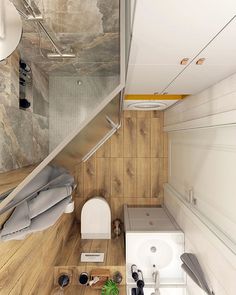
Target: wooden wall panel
[[117, 177], [103, 174], [143, 137], [89, 186], [155, 174], [117, 143], [130, 134], [143, 178], [130, 167], [105, 150], [130, 177]]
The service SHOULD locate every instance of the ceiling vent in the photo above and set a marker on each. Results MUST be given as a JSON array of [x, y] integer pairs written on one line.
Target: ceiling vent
[[148, 105]]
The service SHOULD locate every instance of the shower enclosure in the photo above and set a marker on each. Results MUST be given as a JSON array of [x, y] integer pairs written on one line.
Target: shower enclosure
[[77, 55]]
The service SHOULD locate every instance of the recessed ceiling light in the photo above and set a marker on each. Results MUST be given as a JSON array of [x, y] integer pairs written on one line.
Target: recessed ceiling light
[[147, 105]]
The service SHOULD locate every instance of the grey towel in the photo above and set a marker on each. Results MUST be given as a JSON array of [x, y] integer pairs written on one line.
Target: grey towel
[[49, 177], [192, 267], [47, 199], [19, 220], [39, 209], [39, 223]]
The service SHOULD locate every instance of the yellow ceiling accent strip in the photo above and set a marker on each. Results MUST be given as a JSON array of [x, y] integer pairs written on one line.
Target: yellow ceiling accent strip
[[154, 97]]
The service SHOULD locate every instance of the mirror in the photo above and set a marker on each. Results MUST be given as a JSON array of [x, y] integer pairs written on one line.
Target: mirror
[[10, 28]]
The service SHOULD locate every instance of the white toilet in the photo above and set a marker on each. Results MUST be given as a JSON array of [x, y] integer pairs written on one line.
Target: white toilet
[[96, 219]]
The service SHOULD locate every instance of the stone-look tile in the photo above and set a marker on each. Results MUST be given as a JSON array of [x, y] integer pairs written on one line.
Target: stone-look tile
[[40, 81], [40, 137], [85, 14], [9, 81], [40, 105], [23, 136], [110, 12], [40, 91], [104, 48], [89, 69], [14, 69], [16, 134], [89, 28]]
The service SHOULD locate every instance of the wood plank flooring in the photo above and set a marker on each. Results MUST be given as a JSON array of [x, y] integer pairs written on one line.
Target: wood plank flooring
[[113, 249], [70, 264], [77, 290]]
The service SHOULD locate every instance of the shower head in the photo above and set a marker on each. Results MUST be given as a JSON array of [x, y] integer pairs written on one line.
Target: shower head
[[62, 55]]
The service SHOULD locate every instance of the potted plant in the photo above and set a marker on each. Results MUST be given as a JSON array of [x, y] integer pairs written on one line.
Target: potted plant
[[110, 288]]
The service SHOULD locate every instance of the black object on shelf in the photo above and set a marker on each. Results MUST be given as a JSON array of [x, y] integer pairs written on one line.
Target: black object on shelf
[[137, 291], [83, 278], [134, 272], [63, 280], [24, 103], [24, 66], [117, 277], [25, 79], [22, 82]]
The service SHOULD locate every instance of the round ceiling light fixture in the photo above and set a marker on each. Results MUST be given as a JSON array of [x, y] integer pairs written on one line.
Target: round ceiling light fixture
[[10, 28], [147, 105]]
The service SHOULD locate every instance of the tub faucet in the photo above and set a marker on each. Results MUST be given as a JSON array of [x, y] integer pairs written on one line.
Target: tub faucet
[[156, 279]]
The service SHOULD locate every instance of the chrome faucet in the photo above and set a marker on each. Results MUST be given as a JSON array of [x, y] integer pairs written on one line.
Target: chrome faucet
[[156, 279]]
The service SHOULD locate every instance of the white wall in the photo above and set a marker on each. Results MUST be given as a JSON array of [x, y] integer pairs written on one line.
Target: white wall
[[218, 263], [214, 106], [202, 163]]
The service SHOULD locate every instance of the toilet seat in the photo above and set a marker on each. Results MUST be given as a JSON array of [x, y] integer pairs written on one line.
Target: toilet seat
[[96, 219]]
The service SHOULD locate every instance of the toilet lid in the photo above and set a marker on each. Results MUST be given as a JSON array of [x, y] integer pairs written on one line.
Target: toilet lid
[[96, 216]]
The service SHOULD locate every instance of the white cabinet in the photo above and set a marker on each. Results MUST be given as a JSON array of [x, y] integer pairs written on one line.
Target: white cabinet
[[220, 62], [167, 31]]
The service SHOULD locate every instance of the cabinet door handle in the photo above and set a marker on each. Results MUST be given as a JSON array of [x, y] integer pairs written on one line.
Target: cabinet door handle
[[184, 61], [200, 61]]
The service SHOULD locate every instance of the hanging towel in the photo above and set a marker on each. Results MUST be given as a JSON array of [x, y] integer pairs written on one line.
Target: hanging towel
[[39, 223], [49, 177], [194, 270], [19, 220], [47, 199], [41, 208]]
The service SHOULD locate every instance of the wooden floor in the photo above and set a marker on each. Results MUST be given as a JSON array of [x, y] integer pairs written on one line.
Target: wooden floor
[[113, 249], [70, 264], [77, 290]]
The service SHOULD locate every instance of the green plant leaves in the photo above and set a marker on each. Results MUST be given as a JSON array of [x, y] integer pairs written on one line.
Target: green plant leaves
[[110, 288]]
